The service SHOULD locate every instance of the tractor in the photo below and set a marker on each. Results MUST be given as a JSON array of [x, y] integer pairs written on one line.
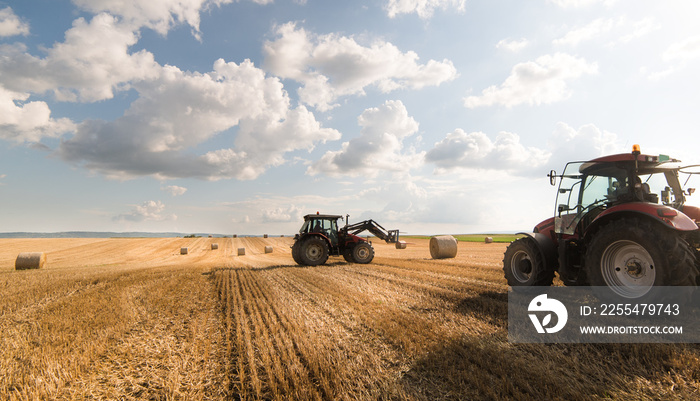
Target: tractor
[[320, 237], [621, 222]]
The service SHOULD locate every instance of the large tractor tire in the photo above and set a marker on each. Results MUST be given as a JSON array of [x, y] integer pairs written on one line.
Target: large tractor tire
[[362, 253], [314, 251], [524, 264], [296, 251], [631, 256], [347, 255]]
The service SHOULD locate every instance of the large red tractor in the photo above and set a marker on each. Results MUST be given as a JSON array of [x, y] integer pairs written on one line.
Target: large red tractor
[[621, 222], [320, 237]]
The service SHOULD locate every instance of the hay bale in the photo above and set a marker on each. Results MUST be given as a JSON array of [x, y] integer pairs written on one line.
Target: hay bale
[[264, 235], [401, 245], [488, 240], [30, 260], [268, 249], [183, 251], [214, 246], [241, 251], [235, 235], [443, 246]]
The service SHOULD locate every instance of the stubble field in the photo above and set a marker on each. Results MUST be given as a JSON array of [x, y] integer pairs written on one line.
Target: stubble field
[[133, 319]]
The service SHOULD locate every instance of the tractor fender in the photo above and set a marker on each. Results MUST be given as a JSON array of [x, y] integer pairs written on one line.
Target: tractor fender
[[307, 235], [546, 247], [665, 215]]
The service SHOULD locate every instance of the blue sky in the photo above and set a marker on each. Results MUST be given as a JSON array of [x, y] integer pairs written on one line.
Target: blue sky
[[431, 116]]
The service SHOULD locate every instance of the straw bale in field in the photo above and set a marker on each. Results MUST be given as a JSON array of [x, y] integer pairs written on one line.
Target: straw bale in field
[[183, 251], [268, 249], [214, 246], [488, 240], [30, 260], [241, 251], [401, 245], [443, 246]]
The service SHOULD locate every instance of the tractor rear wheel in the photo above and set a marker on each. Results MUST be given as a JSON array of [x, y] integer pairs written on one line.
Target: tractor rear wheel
[[524, 264], [296, 252], [631, 256], [362, 253], [314, 251]]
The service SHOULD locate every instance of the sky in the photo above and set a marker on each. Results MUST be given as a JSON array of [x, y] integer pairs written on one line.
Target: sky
[[240, 117]]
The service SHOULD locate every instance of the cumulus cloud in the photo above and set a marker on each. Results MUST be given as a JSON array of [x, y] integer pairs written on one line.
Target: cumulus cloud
[[512, 45], [536, 82], [91, 63], [28, 121], [174, 190], [149, 210], [684, 50], [475, 150], [11, 25], [282, 215], [331, 66], [180, 110], [423, 8], [378, 148], [159, 15]]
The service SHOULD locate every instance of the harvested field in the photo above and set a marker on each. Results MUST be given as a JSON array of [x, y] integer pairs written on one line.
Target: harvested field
[[134, 319]]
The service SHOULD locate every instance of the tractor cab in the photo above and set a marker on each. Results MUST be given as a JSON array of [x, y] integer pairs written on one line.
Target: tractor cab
[[587, 189], [324, 224]]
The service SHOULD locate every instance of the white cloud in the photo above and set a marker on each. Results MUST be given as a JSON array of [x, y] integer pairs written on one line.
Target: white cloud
[[28, 121], [423, 8], [149, 210], [283, 215], [331, 66], [174, 190], [684, 50], [592, 30], [513, 45], [536, 82], [11, 25], [622, 29], [91, 63], [378, 148], [180, 110], [476, 150]]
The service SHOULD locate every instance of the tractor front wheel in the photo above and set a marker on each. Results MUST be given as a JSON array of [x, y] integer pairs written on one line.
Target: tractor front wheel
[[631, 256], [524, 265], [314, 251], [296, 251], [362, 253]]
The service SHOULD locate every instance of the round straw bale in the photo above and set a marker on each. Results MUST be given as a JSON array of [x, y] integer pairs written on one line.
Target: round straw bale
[[241, 251], [268, 249], [30, 260], [214, 246], [401, 245], [183, 251], [488, 240], [443, 246], [264, 235], [235, 235]]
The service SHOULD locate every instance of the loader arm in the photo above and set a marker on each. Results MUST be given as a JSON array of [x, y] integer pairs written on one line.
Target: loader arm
[[390, 236]]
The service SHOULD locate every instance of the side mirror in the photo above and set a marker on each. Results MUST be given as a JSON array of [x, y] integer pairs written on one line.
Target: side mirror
[[552, 177], [691, 191]]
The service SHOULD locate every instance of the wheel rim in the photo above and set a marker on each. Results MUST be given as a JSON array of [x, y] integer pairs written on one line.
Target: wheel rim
[[628, 269], [313, 252], [521, 266], [362, 253]]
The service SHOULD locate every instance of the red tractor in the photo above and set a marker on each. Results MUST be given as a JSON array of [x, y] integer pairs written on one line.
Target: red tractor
[[610, 230], [320, 237]]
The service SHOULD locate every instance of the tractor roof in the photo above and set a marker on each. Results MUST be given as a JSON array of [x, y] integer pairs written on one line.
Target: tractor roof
[[322, 216], [646, 164]]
